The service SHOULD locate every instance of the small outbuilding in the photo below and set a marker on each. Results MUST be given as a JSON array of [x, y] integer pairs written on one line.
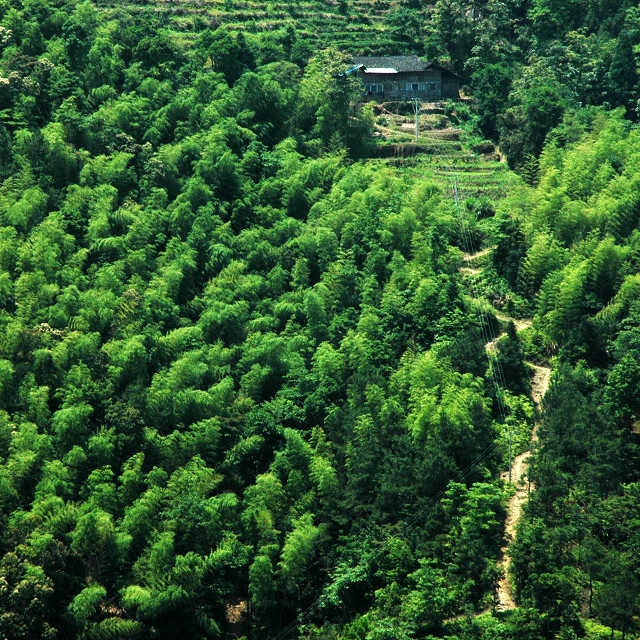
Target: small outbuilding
[[402, 77]]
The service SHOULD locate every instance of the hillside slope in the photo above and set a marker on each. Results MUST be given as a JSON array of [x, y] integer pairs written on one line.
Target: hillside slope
[[257, 374], [359, 26]]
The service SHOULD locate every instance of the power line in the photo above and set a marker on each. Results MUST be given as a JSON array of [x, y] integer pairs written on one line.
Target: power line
[[495, 368], [463, 474]]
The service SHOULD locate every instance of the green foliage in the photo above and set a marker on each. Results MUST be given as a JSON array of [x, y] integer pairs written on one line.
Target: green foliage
[[326, 105], [26, 598], [237, 366], [510, 360], [578, 224], [216, 339]]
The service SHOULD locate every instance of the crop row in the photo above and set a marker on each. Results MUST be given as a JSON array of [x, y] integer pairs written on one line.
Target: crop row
[[322, 21], [182, 8]]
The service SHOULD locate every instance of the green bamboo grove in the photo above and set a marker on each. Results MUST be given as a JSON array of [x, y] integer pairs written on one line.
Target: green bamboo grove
[[245, 389]]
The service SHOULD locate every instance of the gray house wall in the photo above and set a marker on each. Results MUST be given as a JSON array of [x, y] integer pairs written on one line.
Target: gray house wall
[[413, 78], [403, 85]]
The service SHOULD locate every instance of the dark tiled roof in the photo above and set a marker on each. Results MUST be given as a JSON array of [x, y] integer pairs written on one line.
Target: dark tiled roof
[[401, 63]]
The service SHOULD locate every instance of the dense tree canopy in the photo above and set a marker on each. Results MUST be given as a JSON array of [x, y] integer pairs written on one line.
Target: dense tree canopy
[[224, 369], [240, 368]]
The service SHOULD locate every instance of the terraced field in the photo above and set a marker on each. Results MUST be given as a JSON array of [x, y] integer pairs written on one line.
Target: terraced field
[[443, 153], [360, 26]]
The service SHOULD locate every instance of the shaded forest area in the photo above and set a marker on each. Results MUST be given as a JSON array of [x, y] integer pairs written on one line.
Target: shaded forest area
[[239, 362]]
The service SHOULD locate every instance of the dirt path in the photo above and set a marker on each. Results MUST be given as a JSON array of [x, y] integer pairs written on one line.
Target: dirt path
[[520, 464], [492, 346], [470, 257], [520, 323], [539, 383], [519, 470]]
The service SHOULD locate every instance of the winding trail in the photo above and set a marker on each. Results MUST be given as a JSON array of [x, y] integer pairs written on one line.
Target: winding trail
[[492, 346], [520, 464], [519, 472], [520, 323], [470, 257]]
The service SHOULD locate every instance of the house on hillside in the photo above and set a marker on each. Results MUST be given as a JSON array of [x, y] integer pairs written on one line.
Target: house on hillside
[[401, 77]]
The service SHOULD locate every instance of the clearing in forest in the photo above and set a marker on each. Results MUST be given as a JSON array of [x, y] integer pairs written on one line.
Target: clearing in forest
[[444, 151]]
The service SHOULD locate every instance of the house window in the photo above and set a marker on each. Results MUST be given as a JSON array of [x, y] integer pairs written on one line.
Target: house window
[[415, 86]]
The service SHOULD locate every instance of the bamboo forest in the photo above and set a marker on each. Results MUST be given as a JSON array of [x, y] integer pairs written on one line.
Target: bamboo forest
[[319, 320]]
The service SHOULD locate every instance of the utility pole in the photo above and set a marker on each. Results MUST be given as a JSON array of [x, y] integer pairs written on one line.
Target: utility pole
[[416, 108], [509, 454], [455, 192]]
